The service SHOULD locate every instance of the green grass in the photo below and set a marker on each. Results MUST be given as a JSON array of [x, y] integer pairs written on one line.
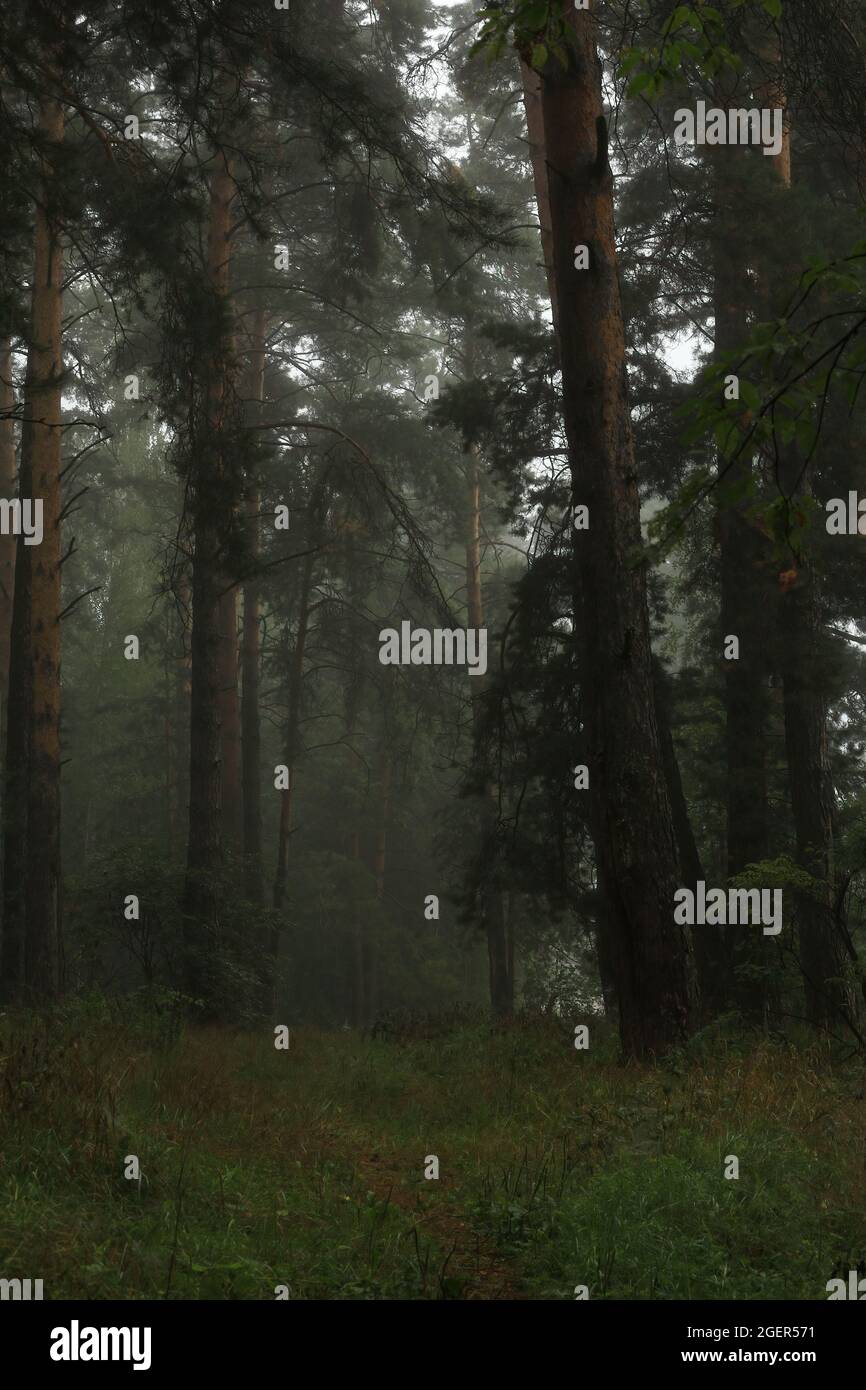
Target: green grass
[[306, 1168]]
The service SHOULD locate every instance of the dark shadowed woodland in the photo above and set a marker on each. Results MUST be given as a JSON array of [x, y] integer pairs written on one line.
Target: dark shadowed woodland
[[326, 978]]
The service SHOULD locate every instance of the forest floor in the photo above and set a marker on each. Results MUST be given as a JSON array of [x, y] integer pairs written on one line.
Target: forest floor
[[304, 1169]]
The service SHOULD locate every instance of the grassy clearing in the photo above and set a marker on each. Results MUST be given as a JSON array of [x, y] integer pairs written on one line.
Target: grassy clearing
[[305, 1168]]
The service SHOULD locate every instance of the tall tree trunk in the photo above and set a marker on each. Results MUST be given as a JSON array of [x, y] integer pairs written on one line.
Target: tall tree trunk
[[16, 768], [292, 739], [358, 939], [353, 697], [371, 955], [293, 723], [32, 886], [8, 546], [707, 941], [537, 154], [231, 798], [357, 934], [630, 810], [709, 954], [830, 988], [499, 958], [251, 642], [171, 819], [607, 978], [212, 503], [7, 542], [743, 608], [829, 983], [183, 695]]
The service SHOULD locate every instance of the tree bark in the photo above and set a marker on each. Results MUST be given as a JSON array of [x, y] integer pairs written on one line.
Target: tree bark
[[212, 503], [231, 796], [8, 547], [371, 954], [830, 988], [32, 887], [743, 589], [358, 938], [630, 810], [707, 941], [499, 956], [829, 983], [7, 542], [293, 723], [537, 154], [251, 642], [182, 694]]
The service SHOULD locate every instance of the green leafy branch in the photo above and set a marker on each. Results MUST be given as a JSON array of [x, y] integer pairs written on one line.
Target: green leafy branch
[[693, 33], [537, 29], [785, 374]]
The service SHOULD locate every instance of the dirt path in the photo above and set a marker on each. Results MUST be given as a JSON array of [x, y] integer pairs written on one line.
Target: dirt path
[[472, 1268]]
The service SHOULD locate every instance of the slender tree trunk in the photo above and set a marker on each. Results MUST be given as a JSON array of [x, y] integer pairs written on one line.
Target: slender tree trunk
[[353, 696], [707, 941], [236, 650], [8, 546], [606, 974], [17, 766], [231, 798], [171, 822], [7, 542], [492, 898], [829, 986], [359, 977], [212, 509], [371, 955], [535, 130], [293, 723], [251, 643], [357, 935], [182, 697], [743, 608], [32, 917], [829, 983], [292, 747], [630, 810]]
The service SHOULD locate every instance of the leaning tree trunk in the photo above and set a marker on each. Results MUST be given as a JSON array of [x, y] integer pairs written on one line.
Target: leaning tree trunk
[[32, 887], [630, 812]]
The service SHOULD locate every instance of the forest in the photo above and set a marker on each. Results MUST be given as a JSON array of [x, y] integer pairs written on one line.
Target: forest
[[432, 649]]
